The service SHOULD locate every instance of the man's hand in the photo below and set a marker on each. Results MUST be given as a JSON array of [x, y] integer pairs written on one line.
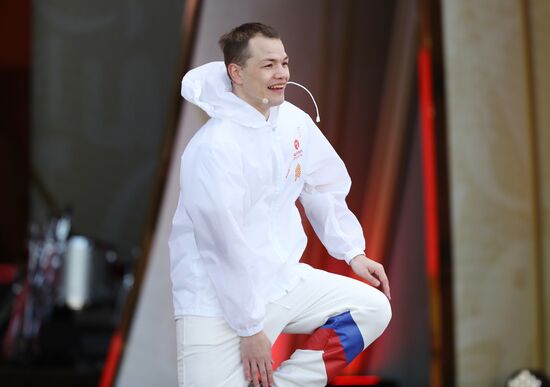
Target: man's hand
[[256, 357], [372, 271]]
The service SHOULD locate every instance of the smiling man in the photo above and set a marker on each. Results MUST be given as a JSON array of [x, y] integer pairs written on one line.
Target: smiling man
[[237, 236]]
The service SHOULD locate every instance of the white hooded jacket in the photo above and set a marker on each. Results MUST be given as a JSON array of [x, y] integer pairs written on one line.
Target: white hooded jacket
[[237, 234]]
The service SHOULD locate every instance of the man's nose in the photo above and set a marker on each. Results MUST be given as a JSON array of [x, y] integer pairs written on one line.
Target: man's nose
[[282, 72]]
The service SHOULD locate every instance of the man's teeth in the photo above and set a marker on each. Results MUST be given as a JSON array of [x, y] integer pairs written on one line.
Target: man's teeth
[[276, 87]]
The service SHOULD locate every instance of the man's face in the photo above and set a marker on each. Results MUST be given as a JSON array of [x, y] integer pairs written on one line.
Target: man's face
[[265, 73]]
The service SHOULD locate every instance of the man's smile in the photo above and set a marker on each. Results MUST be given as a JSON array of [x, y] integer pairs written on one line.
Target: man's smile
[[278, 86]]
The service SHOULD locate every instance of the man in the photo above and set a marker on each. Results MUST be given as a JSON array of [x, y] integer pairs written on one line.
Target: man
[[237, 236]]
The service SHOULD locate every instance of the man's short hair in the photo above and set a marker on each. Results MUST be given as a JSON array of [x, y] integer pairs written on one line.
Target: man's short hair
[[234, 43]]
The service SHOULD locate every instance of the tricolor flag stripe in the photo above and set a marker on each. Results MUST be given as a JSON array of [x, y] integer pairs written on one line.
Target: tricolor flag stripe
[[348, 333], [334, 356], [340, 340]]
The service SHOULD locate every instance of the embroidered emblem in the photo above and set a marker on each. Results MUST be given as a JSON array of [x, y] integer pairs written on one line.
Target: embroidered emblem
[[296, 144], [297, 172]]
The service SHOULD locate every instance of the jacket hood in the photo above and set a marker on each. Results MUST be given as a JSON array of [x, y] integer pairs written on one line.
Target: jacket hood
[[209, 87]]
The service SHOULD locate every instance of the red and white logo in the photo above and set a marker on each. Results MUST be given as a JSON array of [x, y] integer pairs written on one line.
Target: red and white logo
[[296, 144]]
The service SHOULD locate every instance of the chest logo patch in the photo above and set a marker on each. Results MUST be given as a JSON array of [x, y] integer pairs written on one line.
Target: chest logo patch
[[296, 144], [297, 172]]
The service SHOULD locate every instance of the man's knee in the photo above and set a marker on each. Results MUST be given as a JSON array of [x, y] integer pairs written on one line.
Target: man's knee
[[384, 313], [373, 316]]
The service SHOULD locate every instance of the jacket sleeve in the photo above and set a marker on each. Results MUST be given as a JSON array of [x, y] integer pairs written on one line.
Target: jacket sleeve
[[214, 187], [327, 183]]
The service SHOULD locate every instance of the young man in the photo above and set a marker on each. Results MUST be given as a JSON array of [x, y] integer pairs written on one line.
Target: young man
[[237, 236]]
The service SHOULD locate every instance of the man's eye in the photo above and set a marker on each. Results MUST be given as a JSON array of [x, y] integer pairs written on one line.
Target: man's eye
[[268, 65], [285, 64]]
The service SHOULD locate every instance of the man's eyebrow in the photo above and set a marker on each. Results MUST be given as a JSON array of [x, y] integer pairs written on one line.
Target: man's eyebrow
[[273, 59]]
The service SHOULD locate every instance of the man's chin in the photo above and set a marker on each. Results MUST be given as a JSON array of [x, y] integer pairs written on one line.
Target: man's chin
[[277, 101]]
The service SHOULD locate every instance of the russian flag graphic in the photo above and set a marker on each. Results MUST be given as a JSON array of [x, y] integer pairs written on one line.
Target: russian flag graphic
[[340, 340]]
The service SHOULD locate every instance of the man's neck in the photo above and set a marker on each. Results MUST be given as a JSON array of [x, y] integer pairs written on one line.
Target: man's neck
[[263, 108]]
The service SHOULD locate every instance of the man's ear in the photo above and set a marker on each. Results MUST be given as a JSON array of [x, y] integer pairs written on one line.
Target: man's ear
[[234, 72]]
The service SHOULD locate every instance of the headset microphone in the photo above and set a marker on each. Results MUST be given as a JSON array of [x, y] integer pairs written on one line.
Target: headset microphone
[[318, 118], [265, 101]]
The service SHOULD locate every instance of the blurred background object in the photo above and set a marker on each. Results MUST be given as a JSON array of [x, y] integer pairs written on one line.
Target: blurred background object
[[528, 377], [84, 94], [438, 108]]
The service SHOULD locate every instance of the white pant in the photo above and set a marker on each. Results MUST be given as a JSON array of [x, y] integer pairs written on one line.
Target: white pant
[[343, 315]]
